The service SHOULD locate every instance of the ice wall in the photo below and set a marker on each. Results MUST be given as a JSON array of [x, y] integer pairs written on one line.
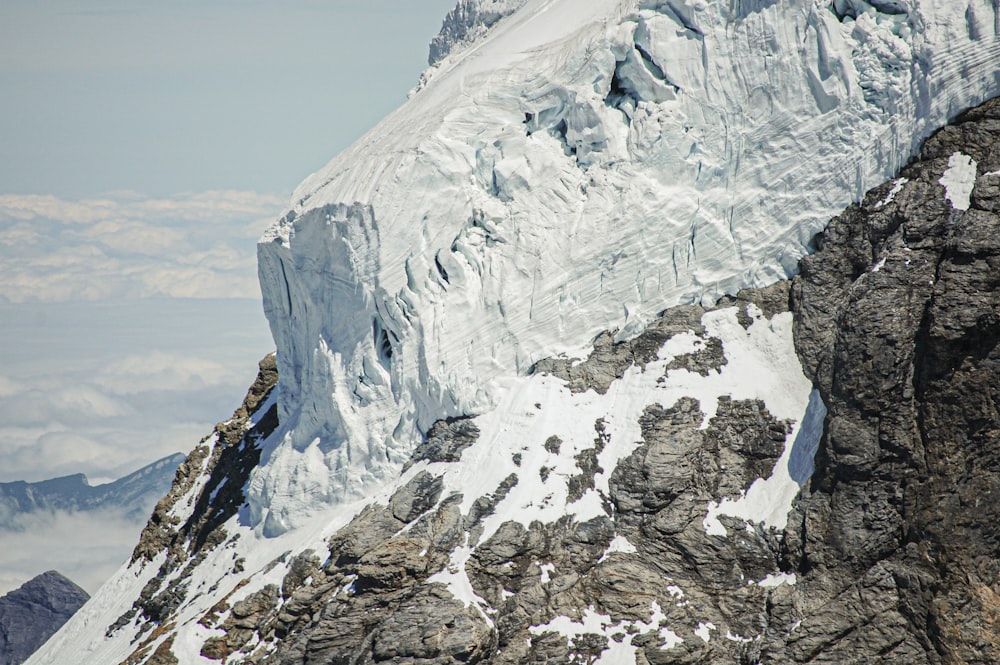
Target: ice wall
[[583, 166]]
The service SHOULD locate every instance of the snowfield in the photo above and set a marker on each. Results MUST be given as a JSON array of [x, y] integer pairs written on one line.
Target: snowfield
[[580, 168]]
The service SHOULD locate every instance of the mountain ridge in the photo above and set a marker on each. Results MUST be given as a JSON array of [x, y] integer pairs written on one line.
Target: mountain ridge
[[135, 492]]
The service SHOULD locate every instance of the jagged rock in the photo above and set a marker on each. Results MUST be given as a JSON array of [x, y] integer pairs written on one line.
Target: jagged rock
[[416, 497], [304, 565], [227, 465], [898, 322], [610, 359], [709, 357], [433, 628], [248, 618], [446, 440], [32, 613]]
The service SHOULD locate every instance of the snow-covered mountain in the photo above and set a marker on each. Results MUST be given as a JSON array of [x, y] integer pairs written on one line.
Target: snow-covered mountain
[[582, 167], [546, 393]]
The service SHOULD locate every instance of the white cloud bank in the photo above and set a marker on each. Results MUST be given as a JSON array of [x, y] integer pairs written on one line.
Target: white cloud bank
[[125, 245], [103, 388], [86, 547]]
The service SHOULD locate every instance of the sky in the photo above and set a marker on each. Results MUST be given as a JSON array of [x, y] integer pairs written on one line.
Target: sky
[[145, 148]]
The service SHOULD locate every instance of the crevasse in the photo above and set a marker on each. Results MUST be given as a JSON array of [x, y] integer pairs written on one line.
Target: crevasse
[[580, 167]]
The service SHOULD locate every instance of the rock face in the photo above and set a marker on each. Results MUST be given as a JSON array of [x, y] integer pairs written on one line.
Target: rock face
[[898, 323], [187, 524], [32, 613]]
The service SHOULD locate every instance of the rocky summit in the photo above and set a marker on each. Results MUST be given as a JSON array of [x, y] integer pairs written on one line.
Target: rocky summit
[[32, 613]]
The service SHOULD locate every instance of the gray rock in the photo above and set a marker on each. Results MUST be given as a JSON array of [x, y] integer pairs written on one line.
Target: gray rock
[[32, 613], [897, 537], [446, 440]]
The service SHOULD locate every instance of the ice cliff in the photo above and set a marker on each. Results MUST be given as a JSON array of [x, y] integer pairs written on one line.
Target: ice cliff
[[578, 166]]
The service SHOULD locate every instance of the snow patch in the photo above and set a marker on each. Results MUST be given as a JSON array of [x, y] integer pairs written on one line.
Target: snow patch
[[958, 180], [777, 579], [897, 187], [704, 630], [617, 652], [454, 577], [618, 544]]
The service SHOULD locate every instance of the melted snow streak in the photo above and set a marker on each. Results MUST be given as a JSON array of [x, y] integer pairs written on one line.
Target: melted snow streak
[[579, 167]]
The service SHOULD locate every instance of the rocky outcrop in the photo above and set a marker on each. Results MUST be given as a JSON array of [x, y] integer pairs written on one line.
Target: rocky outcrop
[[212, 480], [32, 613], [898, 323], [385, 591]]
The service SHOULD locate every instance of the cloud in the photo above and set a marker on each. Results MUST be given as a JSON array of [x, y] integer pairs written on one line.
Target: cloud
[[104, 388], [86, 547], [100, 377], [102, 454], [161, 370], [126, 245], [73, 405]]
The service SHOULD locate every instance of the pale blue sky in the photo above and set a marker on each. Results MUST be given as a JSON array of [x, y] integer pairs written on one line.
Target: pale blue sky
[[174, 96]]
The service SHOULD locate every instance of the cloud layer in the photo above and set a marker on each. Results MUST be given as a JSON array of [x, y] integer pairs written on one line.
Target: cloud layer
[[129, 326], [130, 246], [106, 387], [86, 547]]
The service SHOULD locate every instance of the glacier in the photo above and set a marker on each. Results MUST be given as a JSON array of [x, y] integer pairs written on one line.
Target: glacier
[[573, 167]]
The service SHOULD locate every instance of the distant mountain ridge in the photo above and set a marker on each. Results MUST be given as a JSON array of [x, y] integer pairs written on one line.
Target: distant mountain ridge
[[137, 493]]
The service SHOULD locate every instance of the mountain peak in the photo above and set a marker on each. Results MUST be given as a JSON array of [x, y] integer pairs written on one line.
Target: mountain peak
[[33, 612], [549, 391]]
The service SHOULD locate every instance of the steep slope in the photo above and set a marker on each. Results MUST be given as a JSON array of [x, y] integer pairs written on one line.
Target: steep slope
[[581, 167], [644, 509], [438, 479], [32, 613]]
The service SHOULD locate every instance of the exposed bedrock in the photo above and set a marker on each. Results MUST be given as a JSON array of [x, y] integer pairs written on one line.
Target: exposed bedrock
[[890, 554], [897, 321]]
